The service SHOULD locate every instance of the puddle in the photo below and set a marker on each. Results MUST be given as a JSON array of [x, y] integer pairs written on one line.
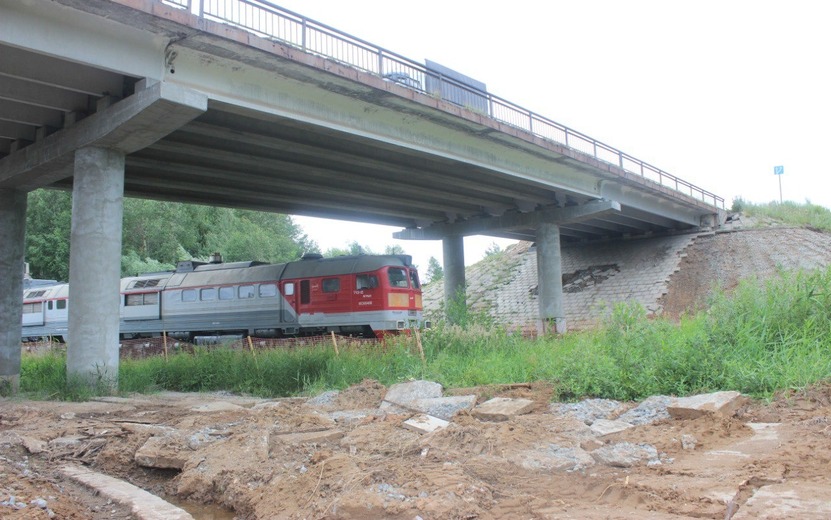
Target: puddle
[[202, 511]]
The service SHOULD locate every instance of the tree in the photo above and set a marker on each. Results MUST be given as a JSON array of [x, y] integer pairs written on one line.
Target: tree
[[435, 272], [493, 249], [48, 224]]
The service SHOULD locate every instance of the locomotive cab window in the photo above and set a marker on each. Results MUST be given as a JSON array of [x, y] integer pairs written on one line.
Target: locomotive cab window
[[268, 290], [330, 285], [397, 277], [366, 281], [414, 279]]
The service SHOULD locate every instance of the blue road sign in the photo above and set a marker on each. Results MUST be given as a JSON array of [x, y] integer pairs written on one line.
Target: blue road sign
[[778, 170]]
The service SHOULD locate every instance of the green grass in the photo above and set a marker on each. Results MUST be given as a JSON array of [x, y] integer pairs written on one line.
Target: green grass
[[763, 337], [789, 213]]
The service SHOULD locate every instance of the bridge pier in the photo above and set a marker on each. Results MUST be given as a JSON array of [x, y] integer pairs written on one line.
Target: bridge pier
[[12, 237], [95, 266], [550, 280], [453, 253]]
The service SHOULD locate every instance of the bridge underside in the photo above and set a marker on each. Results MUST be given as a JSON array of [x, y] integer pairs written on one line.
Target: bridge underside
[[140, 98]]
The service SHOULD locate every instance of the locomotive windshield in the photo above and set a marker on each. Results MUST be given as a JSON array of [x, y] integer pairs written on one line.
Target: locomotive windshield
[[397, 277], [414, 279]]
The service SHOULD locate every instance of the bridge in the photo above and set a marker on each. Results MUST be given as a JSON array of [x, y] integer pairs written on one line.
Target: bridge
[[241, 103]]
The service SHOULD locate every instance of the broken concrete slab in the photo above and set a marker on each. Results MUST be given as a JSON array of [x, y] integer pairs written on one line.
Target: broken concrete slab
[[603, 427], [444, 407], [163, 452], [146, 429], [69, 441], [555, 458], [502, 408], [317, 437], [804, 500], [625, 454], [725, 404], [650, 410], [144, 505], [588, 410], [403, 393], [425, 423]]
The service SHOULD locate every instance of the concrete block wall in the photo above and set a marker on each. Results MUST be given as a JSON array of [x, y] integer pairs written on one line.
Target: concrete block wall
[[504, 285]]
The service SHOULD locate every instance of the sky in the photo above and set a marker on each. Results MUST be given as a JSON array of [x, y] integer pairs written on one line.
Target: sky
[[714, 92]]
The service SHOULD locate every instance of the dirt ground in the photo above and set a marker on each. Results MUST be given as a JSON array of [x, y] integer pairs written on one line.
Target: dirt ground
[[346, 458]]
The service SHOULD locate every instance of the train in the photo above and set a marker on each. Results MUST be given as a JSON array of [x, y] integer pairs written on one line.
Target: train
[[361, 296]]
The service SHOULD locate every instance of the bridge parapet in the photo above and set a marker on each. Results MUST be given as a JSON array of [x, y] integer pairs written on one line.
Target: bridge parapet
[[273, 22]]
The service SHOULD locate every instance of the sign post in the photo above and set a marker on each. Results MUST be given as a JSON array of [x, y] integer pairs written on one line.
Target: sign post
[[779, 171]]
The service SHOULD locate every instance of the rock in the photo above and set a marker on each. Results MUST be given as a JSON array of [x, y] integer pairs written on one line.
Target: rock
[[787, 500], [650, 410], [555, 458], [70, 441], [324, 399], [34, 445], [403, 393], [588, 410], [444, 407], [425, 423], [163, 452], [625, 454], [720, 403], [348, 417], [688, 442], [604, 427], [267, 405], [502, 408]]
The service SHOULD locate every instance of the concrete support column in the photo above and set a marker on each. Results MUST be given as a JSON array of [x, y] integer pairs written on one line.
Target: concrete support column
[[550, 280], [95, 266], [12, 237], [453, 252]]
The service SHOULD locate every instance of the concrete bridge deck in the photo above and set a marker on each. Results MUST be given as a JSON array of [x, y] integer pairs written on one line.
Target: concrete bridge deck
[[242, 104]]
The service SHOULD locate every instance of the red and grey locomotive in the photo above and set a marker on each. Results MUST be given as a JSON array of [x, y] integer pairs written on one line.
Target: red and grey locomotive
[[365, 295]]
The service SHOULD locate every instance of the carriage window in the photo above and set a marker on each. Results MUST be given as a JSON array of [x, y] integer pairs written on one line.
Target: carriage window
[[31, 308], [207, 294], [331, 284], [398, 277], [414, 279], [366, 281], [61, 304], [49, 305], [305, 291], [131, 300], [288, 289], [149, 299], [246, 292], [189, 295], [268, 290], [226, 293]]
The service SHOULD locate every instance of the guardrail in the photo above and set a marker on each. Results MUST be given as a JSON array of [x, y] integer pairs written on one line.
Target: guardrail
[[273, 22]]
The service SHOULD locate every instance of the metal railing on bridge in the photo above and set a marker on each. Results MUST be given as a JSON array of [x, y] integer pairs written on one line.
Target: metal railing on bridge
[[273, 22]]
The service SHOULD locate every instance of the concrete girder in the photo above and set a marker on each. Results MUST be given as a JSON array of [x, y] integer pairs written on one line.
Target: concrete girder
[[44, 96], [126, 126], [290, 178], [644, 203], [359, 156], [485, 226], [14, 131], [59, 73], [29, 115], [270, 201]]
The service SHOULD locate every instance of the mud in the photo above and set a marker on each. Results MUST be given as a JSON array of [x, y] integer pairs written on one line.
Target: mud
[[346, 458]]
